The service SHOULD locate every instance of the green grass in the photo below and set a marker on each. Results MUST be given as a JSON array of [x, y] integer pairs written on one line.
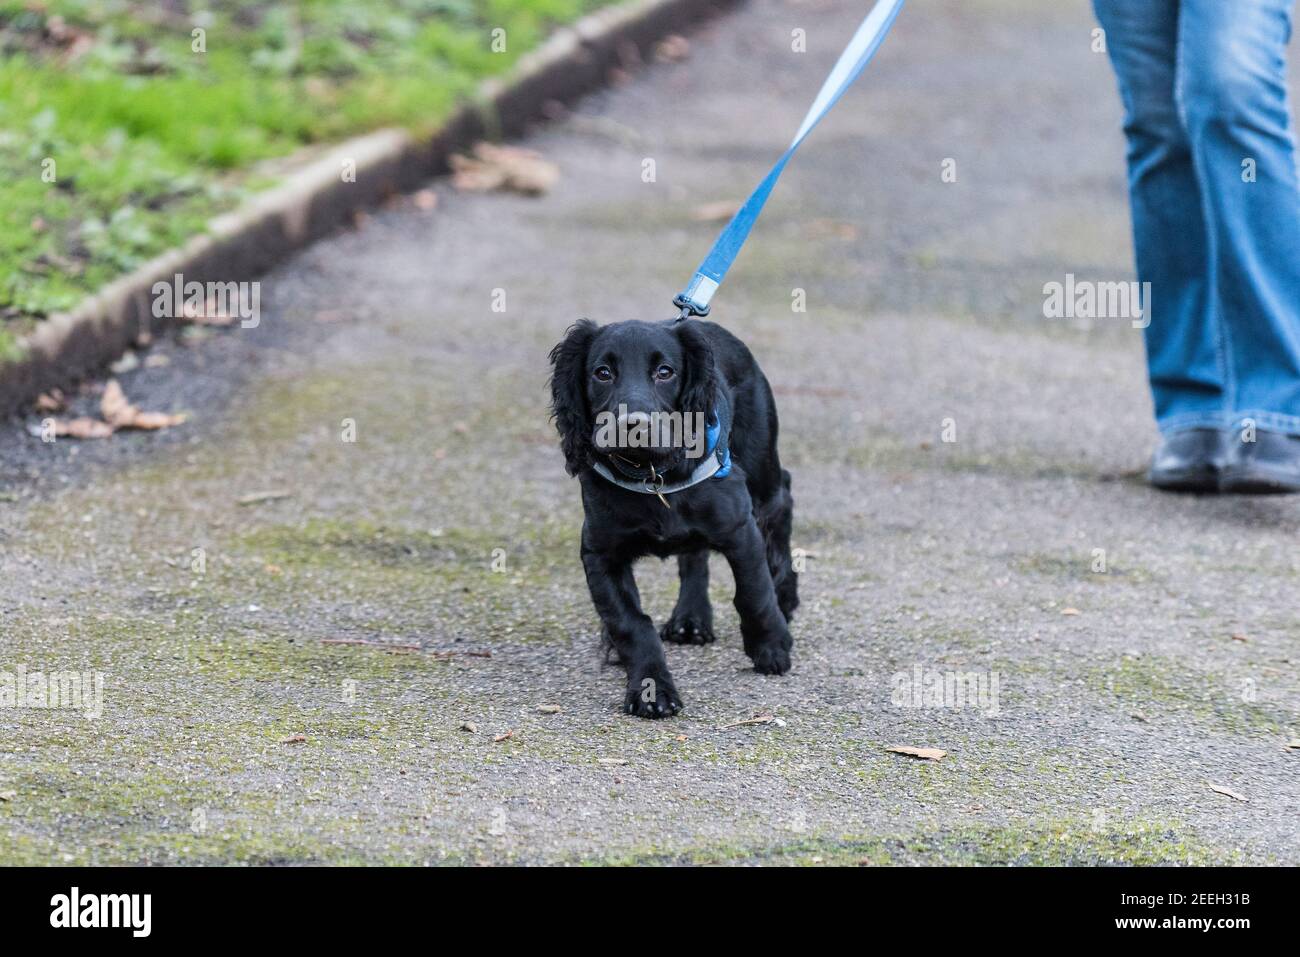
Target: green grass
[[118, 139]]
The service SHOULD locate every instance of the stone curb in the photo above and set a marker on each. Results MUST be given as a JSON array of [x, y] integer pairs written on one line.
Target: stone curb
[[313, 201]]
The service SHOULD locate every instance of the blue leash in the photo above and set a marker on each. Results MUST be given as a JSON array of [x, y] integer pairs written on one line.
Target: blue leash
[[694, 299]]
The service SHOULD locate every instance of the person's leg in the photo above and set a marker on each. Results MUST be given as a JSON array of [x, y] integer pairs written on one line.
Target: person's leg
[[1232, 95], [1184, 343]]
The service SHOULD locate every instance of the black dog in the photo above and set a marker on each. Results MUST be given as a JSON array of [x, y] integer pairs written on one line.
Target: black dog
[[733, 496]]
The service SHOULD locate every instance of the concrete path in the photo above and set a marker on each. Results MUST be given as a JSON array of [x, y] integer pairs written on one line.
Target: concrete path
[[1144, 645]]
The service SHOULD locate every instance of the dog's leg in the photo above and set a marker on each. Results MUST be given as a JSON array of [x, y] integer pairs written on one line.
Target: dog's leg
[[777, 532], [692, 619], [762, 625], [650, 689]]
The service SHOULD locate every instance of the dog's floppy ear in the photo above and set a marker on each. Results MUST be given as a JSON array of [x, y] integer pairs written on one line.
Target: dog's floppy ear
[[700, 377], [569, 394]]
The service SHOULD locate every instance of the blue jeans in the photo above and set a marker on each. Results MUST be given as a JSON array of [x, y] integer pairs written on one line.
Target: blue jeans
[[1216, 205]]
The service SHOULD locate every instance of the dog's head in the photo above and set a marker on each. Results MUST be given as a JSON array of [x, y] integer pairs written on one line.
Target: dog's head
[[613, 387]]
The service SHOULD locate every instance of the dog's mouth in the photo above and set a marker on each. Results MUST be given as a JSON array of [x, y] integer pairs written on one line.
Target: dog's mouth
[[641, 442], [661, 460]]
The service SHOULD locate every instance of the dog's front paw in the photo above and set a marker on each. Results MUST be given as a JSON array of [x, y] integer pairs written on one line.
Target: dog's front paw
[[772, 658], [688, 628], [651, 694]]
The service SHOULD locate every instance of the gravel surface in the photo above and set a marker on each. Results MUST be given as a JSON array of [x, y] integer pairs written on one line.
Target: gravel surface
[[393, 659]]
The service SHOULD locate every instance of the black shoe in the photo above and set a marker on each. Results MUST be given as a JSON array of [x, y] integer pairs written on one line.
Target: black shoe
[[1268, 466], [1190, 460]]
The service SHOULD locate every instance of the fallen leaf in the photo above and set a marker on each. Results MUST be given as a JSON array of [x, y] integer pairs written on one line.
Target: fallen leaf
[[52, 401], [924, 754], [505, 736], [362, 641], [153, 421], [121, 414], [672, 49], [1219, 789], [113, 406], [680, 737], [761, 719], [82, 428], [257, 498], [1241, 638], [715, 212], [1071, 611], [128, 363], [208, 315], [830, 229], [503, 167], [294, 739], [548, 709], [469, 726]]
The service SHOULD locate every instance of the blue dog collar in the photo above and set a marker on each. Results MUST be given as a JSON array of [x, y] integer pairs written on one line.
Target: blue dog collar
[[724, 458]]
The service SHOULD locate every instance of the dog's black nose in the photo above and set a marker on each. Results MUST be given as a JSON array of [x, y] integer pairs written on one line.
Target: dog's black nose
[[635, 420]]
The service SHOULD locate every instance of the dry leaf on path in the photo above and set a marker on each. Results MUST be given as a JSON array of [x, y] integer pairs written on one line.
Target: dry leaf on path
[[294, 739], [761, 719], [52, 401], [672, 49], [384, 645], [924, 754], [715, 212], [82, 428], [257, 498], [210, 315], [121, 414], [503, 167], [1219, 789]]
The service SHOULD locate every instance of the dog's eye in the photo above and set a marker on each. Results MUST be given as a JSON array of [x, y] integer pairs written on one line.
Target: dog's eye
[[664, 372], [602, 374]]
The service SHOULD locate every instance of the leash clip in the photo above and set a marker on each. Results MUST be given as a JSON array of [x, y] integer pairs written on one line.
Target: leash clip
[[656, 485], [689, 307]]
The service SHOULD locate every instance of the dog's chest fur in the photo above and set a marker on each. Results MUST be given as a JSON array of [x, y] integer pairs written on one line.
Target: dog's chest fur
[[691, 523]]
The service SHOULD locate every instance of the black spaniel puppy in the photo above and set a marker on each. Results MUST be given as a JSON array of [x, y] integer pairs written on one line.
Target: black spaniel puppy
[[671, 428]]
